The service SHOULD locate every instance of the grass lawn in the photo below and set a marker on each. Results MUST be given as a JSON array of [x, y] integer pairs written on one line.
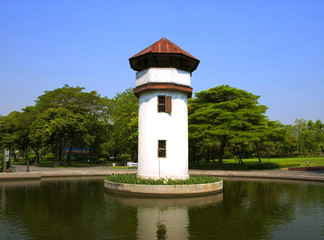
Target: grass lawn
[[250, 164], [122, 167], [314, 161], [49, 163], [228, 164]]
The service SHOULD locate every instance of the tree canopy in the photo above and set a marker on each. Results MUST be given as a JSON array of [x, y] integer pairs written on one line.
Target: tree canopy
[[75, 100], [123, 121], [223, 122], [227, 115]]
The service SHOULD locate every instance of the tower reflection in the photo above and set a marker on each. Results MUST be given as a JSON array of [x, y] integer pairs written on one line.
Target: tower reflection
[[163, 218]]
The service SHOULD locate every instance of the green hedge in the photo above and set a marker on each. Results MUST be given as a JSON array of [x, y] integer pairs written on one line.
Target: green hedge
[[133, 179]]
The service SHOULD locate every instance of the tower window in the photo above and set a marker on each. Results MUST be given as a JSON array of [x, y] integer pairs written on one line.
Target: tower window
[[162, 148], [164, 104]]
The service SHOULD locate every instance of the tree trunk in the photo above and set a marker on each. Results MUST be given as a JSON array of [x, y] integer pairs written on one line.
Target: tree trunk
[[258, 152], [57, 151], [238, 154], [222, 150], [37, 156], [68, 159], [53, 148], [14, 153], [207, 155], [60, 151], [35, 149], [194, 153], [299, 149], [26, 154]]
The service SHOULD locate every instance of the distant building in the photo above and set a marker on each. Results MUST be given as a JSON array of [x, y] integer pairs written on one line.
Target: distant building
[[77, 152]]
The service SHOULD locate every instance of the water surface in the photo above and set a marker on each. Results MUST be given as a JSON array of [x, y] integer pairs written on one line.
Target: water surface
[[79, 208]]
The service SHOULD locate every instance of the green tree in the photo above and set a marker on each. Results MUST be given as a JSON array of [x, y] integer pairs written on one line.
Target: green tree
[[9, 136], [123, 120], [60, 127], [27, 118], [225, 114], [315, 137], [305, 136], [319, 135], [75, 100], [266, 134], [300, 131], [15, 129], [84, 112], [289, 145]]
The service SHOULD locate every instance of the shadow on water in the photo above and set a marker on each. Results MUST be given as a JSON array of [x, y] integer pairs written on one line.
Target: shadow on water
[[78, 208]]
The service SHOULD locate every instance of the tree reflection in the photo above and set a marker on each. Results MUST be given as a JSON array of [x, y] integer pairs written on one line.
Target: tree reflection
[[250, 210]]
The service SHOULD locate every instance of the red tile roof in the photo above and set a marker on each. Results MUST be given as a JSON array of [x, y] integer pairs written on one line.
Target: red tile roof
[[163, 46], [163, 53]]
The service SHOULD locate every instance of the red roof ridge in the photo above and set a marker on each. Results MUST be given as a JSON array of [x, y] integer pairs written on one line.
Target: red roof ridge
[[163, 46]]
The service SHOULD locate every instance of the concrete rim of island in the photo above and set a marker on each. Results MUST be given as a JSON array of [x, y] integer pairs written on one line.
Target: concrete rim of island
[[164, 190]]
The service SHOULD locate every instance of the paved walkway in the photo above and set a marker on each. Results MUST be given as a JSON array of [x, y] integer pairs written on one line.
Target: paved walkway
[[46, 172], [43, 172]]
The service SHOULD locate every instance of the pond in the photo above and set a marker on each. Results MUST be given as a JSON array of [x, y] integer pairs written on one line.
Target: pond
[[79, 208]]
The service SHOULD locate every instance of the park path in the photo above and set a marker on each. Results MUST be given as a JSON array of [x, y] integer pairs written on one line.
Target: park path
[[46, 172]]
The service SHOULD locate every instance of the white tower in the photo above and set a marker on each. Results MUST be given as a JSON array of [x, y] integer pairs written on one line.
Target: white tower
[[163, 87]]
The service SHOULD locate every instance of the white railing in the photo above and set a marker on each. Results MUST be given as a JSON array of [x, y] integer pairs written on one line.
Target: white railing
[[132, 164]]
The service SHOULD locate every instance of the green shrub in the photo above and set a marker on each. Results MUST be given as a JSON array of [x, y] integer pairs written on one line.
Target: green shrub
[[133, 179], [47, 157], [31, 156], [125, 157], [264, 166]]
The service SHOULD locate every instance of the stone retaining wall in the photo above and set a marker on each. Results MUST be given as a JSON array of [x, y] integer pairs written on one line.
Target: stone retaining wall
[[164, 190], [314, 168]]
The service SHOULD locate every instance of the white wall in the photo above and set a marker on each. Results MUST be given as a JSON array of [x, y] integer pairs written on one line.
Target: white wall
[[172, 127], [163, 75]]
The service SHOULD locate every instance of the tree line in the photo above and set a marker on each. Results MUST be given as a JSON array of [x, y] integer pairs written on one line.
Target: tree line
[[224, 122], [69, 117]]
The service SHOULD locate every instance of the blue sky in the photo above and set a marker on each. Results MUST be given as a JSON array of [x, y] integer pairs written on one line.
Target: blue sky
[[274, 49]]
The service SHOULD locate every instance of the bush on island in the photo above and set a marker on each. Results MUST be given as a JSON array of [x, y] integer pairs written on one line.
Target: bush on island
[[133, 179]]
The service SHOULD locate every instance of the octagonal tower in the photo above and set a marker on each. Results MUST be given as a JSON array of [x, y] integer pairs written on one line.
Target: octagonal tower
[[163, 87]]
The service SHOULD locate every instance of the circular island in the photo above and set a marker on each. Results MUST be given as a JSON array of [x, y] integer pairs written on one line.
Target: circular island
[[194, 185]]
